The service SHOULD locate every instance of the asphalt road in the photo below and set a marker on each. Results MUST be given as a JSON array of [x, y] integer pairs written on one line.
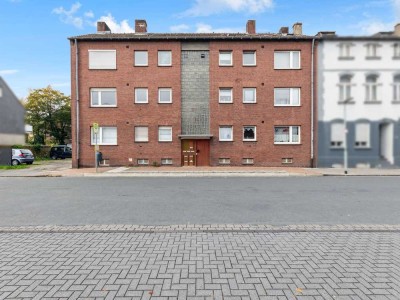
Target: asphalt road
[[156, 201]]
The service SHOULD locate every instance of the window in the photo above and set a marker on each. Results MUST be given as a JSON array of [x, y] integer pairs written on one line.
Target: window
[[249, 95], [345, 88], [249, 58], [225, 58], [287, 60], [396, 88], [337, 135], [141, 58], [371, 88], [141, 134], [166, 161], [249, 133], [287, 160], [103, 97], [164, 58], [225, 95], [372, 50], [141, 95], [225, 133], [396, 50], [143, 161], [287, 135], [224, 161], [362, 135], [165, 134], [248, 161], [105, 136], [102, 59], [164, 95], [1, 92], [287, 96], [345, 50]]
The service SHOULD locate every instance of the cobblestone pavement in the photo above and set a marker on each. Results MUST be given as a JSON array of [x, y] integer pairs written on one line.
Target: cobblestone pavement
[[199, 264]]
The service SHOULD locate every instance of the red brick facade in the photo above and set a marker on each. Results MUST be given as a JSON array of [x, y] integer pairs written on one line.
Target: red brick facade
[[263, 114]]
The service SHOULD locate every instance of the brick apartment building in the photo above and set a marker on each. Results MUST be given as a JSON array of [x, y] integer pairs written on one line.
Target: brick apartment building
[[192, 99]]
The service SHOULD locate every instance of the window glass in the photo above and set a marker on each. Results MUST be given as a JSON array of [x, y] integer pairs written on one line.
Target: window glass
[[141, 58], [282, 60], [102, 59], [225, 58], [141, 134], [165, 134], [249, 58], [165, 96], [249, 95], [141, 95], [95, 97], [282, 135], [225, 95], [282, 96], [225, 133], [164, 58], [249, 133]]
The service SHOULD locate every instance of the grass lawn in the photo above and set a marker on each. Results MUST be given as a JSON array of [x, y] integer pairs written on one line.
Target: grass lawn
[[14, 167]]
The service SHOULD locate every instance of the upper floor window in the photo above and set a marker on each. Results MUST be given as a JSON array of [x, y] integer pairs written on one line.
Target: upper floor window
[[287, 135], [345, 51], [165, 134], [225, 95], [371, 88], [396, 88], [249, 58], [225, 58], [362, 139], [141, 95], [287, 96], [249, 95], [103, 97], [141, 58], [141, 134], [105, 136], [225, 133], [164, 58], [102, 59], [345, 88], [337, 135], [396, 50], [165, 95], [249, 133], [372, 50], [287, 60]]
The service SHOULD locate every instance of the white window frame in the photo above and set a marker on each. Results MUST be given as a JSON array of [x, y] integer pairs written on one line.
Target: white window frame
[[345, 50], [220, 136], [396, 88], [147, 95], [254, 55], [372, 50], [170, 58], [109, 67], [356, 136], [339, 143], [142, 140], [396, 50], [247, 161], [99, 95], [290, 135], [290, 96], [372, 89], [142, 161], [147, 58], [167, 161], [345, 88], [255, 95], [231, 60], [255, 133], [290, 60], [231, 95], [164, 128], [100, 136], [224, 161], [163, 90]]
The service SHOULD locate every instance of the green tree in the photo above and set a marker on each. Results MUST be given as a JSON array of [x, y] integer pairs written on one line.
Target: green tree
[[49, 113]]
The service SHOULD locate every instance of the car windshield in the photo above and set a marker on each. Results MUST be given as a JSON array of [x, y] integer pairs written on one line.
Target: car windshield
[[26, 152]]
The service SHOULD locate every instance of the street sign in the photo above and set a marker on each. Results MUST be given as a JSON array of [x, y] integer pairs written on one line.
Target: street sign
[[96, 128]]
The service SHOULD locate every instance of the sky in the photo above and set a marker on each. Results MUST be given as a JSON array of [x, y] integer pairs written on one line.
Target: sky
[[35, 53]]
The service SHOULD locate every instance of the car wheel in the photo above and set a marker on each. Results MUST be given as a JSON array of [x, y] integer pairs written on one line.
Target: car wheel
[[15, 162], [54, 157], [29, 163]]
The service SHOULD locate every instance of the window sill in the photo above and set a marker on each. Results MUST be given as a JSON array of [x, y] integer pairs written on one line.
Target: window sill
[[249, 102], [287, 143], [336, 148], [225, 102], [226, 65], [279, 105], [94, 69], [226, 141], [372, 57], [164, 102], [165, 141], [346, 58], [140, 65], [141, 142], [103, 106], [290, 69], [372, 102], [249, 65], [141, 102], [249, 140], [346, 102], [396, 102]]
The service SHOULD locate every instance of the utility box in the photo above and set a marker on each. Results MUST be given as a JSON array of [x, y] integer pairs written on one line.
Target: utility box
[[5, 156]]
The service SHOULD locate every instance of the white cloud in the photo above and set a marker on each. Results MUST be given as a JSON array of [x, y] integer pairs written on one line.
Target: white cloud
[[210, 7], [89, 14], [68, 16], [179, 28], [206, 28], [121, 27], [374, 26], [8, 72], [396, 6]]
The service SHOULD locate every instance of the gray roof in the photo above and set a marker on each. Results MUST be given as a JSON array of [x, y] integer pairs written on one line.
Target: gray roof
[[189, 36], [380, 36]]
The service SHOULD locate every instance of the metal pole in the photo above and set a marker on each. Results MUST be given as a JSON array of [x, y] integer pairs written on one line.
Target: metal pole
[[95, 151], [345, 154]]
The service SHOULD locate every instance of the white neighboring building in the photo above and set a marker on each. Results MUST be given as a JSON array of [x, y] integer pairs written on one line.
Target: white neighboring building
[[359, 76]]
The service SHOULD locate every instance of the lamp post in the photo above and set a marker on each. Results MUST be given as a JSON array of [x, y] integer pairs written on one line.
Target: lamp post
[[345, 148]]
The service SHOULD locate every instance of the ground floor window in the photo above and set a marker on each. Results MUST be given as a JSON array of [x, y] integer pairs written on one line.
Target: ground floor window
[[362, 139], [337, 135], [287, 135], [105, 136]]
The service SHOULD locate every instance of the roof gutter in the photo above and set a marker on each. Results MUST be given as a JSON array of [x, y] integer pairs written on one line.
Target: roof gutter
[[77, 100], [312, 102]]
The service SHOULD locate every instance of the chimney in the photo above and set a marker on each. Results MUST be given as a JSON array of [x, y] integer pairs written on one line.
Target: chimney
[[397, 30], [284, 30], [298, 29], [140, 26], [251, 27], [103, 28]]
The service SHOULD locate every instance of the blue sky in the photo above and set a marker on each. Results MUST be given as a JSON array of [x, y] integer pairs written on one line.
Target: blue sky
[[34, 50]]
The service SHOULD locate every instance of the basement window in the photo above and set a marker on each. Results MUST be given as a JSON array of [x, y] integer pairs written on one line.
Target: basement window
[[166, 161], [248, 161], [224, 161], [286, 161], [143, 162]]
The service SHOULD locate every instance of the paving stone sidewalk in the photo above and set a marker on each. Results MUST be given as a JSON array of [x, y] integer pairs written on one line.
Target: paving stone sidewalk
[[205, 265]]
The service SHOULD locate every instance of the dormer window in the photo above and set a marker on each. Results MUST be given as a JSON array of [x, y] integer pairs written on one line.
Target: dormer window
[[345, 51], [373, 51]]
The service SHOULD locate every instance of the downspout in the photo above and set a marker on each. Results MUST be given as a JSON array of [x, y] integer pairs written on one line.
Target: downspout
[[77, 100], [312, 102]]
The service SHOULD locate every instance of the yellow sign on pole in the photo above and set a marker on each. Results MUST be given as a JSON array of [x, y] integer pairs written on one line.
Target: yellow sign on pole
[[96, 128]]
